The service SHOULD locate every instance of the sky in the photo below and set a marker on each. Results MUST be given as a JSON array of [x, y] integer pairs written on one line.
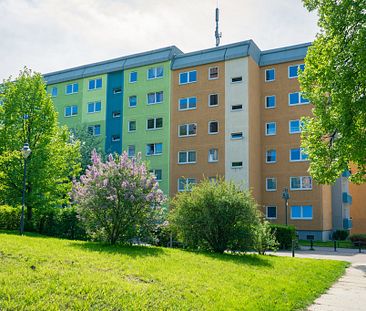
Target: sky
[[50, 35]]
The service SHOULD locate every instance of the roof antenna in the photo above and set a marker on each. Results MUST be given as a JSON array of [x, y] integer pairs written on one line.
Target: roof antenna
[[218, 34]]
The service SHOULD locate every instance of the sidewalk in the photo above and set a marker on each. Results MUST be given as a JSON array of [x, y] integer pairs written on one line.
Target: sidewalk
[[349, 293]]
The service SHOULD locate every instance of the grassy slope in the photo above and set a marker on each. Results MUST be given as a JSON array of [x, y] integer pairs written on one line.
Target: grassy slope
[[91, 276]]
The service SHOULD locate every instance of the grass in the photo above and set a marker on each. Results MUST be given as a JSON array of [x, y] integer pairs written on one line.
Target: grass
[[340, 244], [41, 273]]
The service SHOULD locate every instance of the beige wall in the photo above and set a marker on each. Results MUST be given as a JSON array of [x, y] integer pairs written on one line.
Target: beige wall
[[358, 207]]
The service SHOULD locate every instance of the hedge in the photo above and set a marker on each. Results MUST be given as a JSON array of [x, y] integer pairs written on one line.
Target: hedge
[[284, 235], [9, 217], [355, 238]]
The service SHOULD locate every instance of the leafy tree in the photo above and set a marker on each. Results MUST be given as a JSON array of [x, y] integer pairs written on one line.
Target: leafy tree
[[215, 217], [27, 115], [118, 200], [264, 238], [334, 81]]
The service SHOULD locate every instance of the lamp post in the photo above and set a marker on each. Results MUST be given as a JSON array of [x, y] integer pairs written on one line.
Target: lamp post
[[286, 196], [26, 151]]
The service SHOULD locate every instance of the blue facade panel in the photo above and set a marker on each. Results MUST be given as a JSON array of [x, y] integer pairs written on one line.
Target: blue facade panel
[[346, 198], [114, 112]]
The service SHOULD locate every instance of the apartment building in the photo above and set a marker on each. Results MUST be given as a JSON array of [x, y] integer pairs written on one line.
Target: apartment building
[[232, 111]]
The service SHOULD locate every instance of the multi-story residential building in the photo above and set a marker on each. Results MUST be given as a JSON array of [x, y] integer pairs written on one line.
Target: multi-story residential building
[[232, 111]]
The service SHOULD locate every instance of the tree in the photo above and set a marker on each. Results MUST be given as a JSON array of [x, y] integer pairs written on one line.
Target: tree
[[118, 199], [27, 115], [215, 216], [334, 81]]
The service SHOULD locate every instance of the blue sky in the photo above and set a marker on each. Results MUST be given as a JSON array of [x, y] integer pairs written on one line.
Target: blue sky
[[49, 35]]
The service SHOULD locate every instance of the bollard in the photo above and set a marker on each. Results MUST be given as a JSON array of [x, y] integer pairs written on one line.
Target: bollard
[[335, 245], [311, 245], [359, 246], [293, 248]]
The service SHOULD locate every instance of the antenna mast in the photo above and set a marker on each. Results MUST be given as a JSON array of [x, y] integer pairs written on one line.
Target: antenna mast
[[218, 34]]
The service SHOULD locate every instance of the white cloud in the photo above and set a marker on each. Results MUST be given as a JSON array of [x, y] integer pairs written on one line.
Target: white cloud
[[48, 35]]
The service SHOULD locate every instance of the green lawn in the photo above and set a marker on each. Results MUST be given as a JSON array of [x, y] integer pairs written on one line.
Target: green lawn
[[40, 273]]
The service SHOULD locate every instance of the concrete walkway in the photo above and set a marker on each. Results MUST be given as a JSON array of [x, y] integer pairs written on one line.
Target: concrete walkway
[[349, 293]]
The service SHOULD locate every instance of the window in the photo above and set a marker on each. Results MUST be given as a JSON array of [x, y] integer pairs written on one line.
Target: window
[[213, 127], [294, 126], [271, 212], [116, 138], [116, 114], [270, 128], [95, 84], [271, 184], [293, 70], [271, 156], [132, 101], [270, 75], [187, 103], [133, 77], [237, 135], [236, 107], [296, 99], [213, 100], [72, 88], [117, 90], [186, 184], [236, 79], [155, 123], [154, 149], [237, 164], [297, 155], [131, 126], [94, 107], [301, 212], [301, 183], [212, 179], [71, 111], [54, 91], [131, 151], [94, 130], [187, 130], [213, 73], [186, 157], [155, 98], [155, 72], [213, 155], [158, 173], [188, 77], [270, 102]]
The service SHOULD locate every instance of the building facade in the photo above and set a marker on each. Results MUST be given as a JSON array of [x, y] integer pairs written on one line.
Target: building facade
[[232, 111]]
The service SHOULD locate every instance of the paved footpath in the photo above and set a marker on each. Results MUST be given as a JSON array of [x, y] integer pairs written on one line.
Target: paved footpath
[[349, 293]]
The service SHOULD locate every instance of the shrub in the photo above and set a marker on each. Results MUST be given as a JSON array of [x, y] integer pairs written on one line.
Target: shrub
[[355, 238], [9, 217], [284, 235], [118, 200], [264, 238], [215, 216], [340, 235]]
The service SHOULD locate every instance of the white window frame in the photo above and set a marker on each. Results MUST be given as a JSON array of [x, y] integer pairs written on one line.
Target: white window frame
[[188, 81], [302, 213], [155, 73], [265, 102], [154, 128], [128, 151], [239, 109], [295, 65], [301, 153], [267, 217], [73, 87], [155, 154], [52, 93], [289, 126], [236, 167], [236, 82], [129, 102], [116, 114], [299, 103], [72, 114], [236, 138], [218, 127], [186, 183], [187, 125], [94, 126], [265, 75], [187, 156], [209, 99], [95, 84], [271, 190], [218, 73], [187, 98], [130, 75], [94, 106], [301, 183], [155, 98], [213, 161], [269, 162], [115, 139], [265, 129], [128, 126], [153, 171]]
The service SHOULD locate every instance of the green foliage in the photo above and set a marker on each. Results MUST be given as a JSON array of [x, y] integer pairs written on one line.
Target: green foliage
[[358, 238], [38, 273], [334, 81], [9, 217], [284, 235], [28, 115], [340, 235], [215, 217], [264, 238]]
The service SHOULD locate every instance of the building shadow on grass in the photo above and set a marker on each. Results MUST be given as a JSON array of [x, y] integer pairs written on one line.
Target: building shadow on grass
[[133, 251]]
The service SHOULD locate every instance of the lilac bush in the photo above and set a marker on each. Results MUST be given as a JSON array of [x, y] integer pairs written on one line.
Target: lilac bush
[[118, 199]]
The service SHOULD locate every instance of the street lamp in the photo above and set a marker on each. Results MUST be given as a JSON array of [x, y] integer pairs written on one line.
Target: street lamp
[[26, 151], [286, 196]]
